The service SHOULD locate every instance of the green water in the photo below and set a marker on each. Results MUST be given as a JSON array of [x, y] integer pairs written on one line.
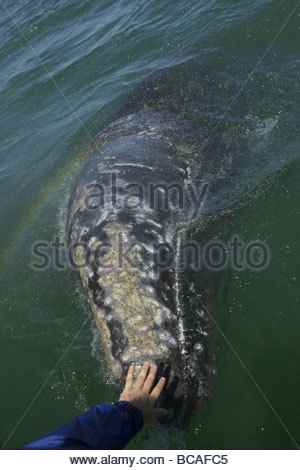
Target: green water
[[94, 53]]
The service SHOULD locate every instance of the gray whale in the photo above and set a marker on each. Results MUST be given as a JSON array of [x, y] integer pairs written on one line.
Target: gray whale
[[142, 313]]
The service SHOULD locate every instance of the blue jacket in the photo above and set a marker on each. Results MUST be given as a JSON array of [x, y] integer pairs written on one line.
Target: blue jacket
[[102, 427]]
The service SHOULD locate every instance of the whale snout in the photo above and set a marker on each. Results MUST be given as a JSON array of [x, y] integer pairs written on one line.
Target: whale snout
[[142, 313]]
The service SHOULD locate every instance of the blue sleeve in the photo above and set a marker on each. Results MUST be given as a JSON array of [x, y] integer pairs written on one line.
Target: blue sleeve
[[102, 427]]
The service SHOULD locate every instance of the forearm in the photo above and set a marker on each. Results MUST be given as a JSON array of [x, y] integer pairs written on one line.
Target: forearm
[[102, 427]]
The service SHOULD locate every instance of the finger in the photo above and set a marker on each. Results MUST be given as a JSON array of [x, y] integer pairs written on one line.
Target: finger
[[142, 376], [129, 378], [158, 389], [158, 412], [150, 379], [159, 374]]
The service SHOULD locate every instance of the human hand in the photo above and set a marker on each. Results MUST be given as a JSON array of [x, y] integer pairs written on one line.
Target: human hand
[[139, 394]]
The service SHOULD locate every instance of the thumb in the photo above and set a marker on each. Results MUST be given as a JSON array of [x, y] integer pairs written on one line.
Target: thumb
[[158, 412]]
